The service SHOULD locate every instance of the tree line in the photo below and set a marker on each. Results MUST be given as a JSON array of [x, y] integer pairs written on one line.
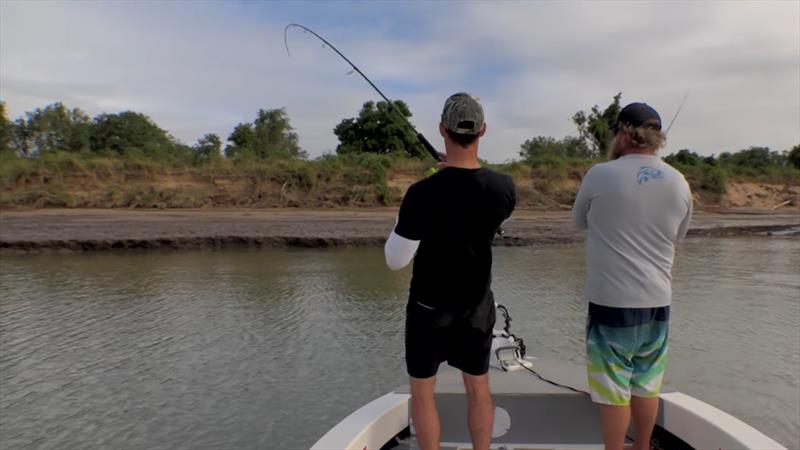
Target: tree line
[[375, 130], [58, 128], [594, 138], [270, 136]]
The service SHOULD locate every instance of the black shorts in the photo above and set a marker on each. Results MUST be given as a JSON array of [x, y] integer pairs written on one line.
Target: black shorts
[[433, 337]]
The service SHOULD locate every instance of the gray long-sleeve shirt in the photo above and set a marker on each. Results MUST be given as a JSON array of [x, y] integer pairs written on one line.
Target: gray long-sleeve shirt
[[635, 209]]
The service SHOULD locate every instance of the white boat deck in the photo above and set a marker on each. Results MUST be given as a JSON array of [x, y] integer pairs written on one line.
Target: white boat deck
[[532, 414], [529, 412], [520, 382]]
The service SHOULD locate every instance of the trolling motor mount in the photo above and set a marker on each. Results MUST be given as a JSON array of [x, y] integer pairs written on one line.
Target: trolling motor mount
[[509, 350]]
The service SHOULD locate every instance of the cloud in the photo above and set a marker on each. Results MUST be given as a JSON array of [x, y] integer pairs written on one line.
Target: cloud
[[743, 76], [203, 67]]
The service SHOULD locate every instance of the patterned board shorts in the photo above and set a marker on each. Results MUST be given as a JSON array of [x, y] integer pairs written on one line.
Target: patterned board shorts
[[627, 352]]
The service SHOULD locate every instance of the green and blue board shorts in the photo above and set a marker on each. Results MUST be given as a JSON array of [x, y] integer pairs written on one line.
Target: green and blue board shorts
[[627, 352]]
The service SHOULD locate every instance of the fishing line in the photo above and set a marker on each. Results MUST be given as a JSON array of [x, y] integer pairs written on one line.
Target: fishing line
[[436, 155], [523, 349]]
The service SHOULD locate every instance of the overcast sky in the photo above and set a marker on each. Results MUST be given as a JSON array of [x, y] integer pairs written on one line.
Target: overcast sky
[[201, 67]]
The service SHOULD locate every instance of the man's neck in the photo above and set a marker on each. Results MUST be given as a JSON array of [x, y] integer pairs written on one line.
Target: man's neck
[[640, 151], [464, 158]]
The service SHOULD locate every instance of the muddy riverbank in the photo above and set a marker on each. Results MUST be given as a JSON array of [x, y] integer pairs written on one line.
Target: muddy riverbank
[[113, 229]]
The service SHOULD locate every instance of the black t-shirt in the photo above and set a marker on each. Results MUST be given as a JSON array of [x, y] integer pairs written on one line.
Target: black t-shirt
[[455, 215]]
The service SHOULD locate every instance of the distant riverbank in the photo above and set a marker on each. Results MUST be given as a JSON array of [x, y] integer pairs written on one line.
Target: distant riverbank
[[117, 229], [67, 180]]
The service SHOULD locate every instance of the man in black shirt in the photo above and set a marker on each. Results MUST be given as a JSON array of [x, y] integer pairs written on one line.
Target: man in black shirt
[[449, 221]]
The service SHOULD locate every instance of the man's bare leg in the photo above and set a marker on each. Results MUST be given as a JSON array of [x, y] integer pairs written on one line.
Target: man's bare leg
[[616, 420], [480, 410], [645, 413], [424, 413]]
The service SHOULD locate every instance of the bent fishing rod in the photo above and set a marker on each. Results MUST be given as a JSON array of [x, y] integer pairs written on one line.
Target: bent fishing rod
[[680, 107], [436, 155]]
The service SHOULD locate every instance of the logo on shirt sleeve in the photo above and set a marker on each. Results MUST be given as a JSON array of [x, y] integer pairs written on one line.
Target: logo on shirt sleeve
[[648, 173]]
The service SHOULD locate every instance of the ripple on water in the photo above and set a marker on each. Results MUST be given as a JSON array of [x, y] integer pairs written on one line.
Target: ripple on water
[[270, 349]]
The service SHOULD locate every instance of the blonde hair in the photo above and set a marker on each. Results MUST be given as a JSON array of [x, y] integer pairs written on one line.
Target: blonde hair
[[639, 138], [644, 138]]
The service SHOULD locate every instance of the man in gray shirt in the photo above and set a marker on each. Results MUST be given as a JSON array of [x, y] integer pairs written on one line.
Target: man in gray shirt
[[635, 208]]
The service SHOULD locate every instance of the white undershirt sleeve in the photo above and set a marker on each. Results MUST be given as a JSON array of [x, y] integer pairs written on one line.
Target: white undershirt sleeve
[[399, 251], [684, 228], [580, 209]]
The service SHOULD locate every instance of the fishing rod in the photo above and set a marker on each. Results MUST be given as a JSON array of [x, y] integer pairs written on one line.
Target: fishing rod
[[677, 112], [436, 155]]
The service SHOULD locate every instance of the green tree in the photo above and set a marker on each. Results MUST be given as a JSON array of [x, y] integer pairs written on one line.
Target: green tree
[[754, 157], [274, 136], [269, 136], [595, 128], [130, 133], [242, 140], [684, 157], [6, 131], [724, 157], [710, 160], [52, 128], [568, 147], [377, 129], [794, 156], [209, 148], [20, 141]]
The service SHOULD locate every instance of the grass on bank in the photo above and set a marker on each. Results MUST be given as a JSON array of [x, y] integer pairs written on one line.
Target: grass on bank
[[64, 179]]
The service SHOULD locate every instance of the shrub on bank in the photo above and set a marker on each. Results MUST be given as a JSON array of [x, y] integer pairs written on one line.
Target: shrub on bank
[[83, 179], [713, 180]]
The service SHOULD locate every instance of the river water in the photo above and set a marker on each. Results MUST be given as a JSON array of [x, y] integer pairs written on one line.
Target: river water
[[270, 349]]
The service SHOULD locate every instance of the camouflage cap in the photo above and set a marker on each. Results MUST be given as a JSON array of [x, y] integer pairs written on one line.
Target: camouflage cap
[[462, 114]]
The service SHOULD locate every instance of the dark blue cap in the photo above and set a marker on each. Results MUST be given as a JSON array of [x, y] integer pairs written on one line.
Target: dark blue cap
[[638, 115]]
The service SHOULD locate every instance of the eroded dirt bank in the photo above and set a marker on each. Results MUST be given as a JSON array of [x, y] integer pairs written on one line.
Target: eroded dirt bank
[[112, 229]]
